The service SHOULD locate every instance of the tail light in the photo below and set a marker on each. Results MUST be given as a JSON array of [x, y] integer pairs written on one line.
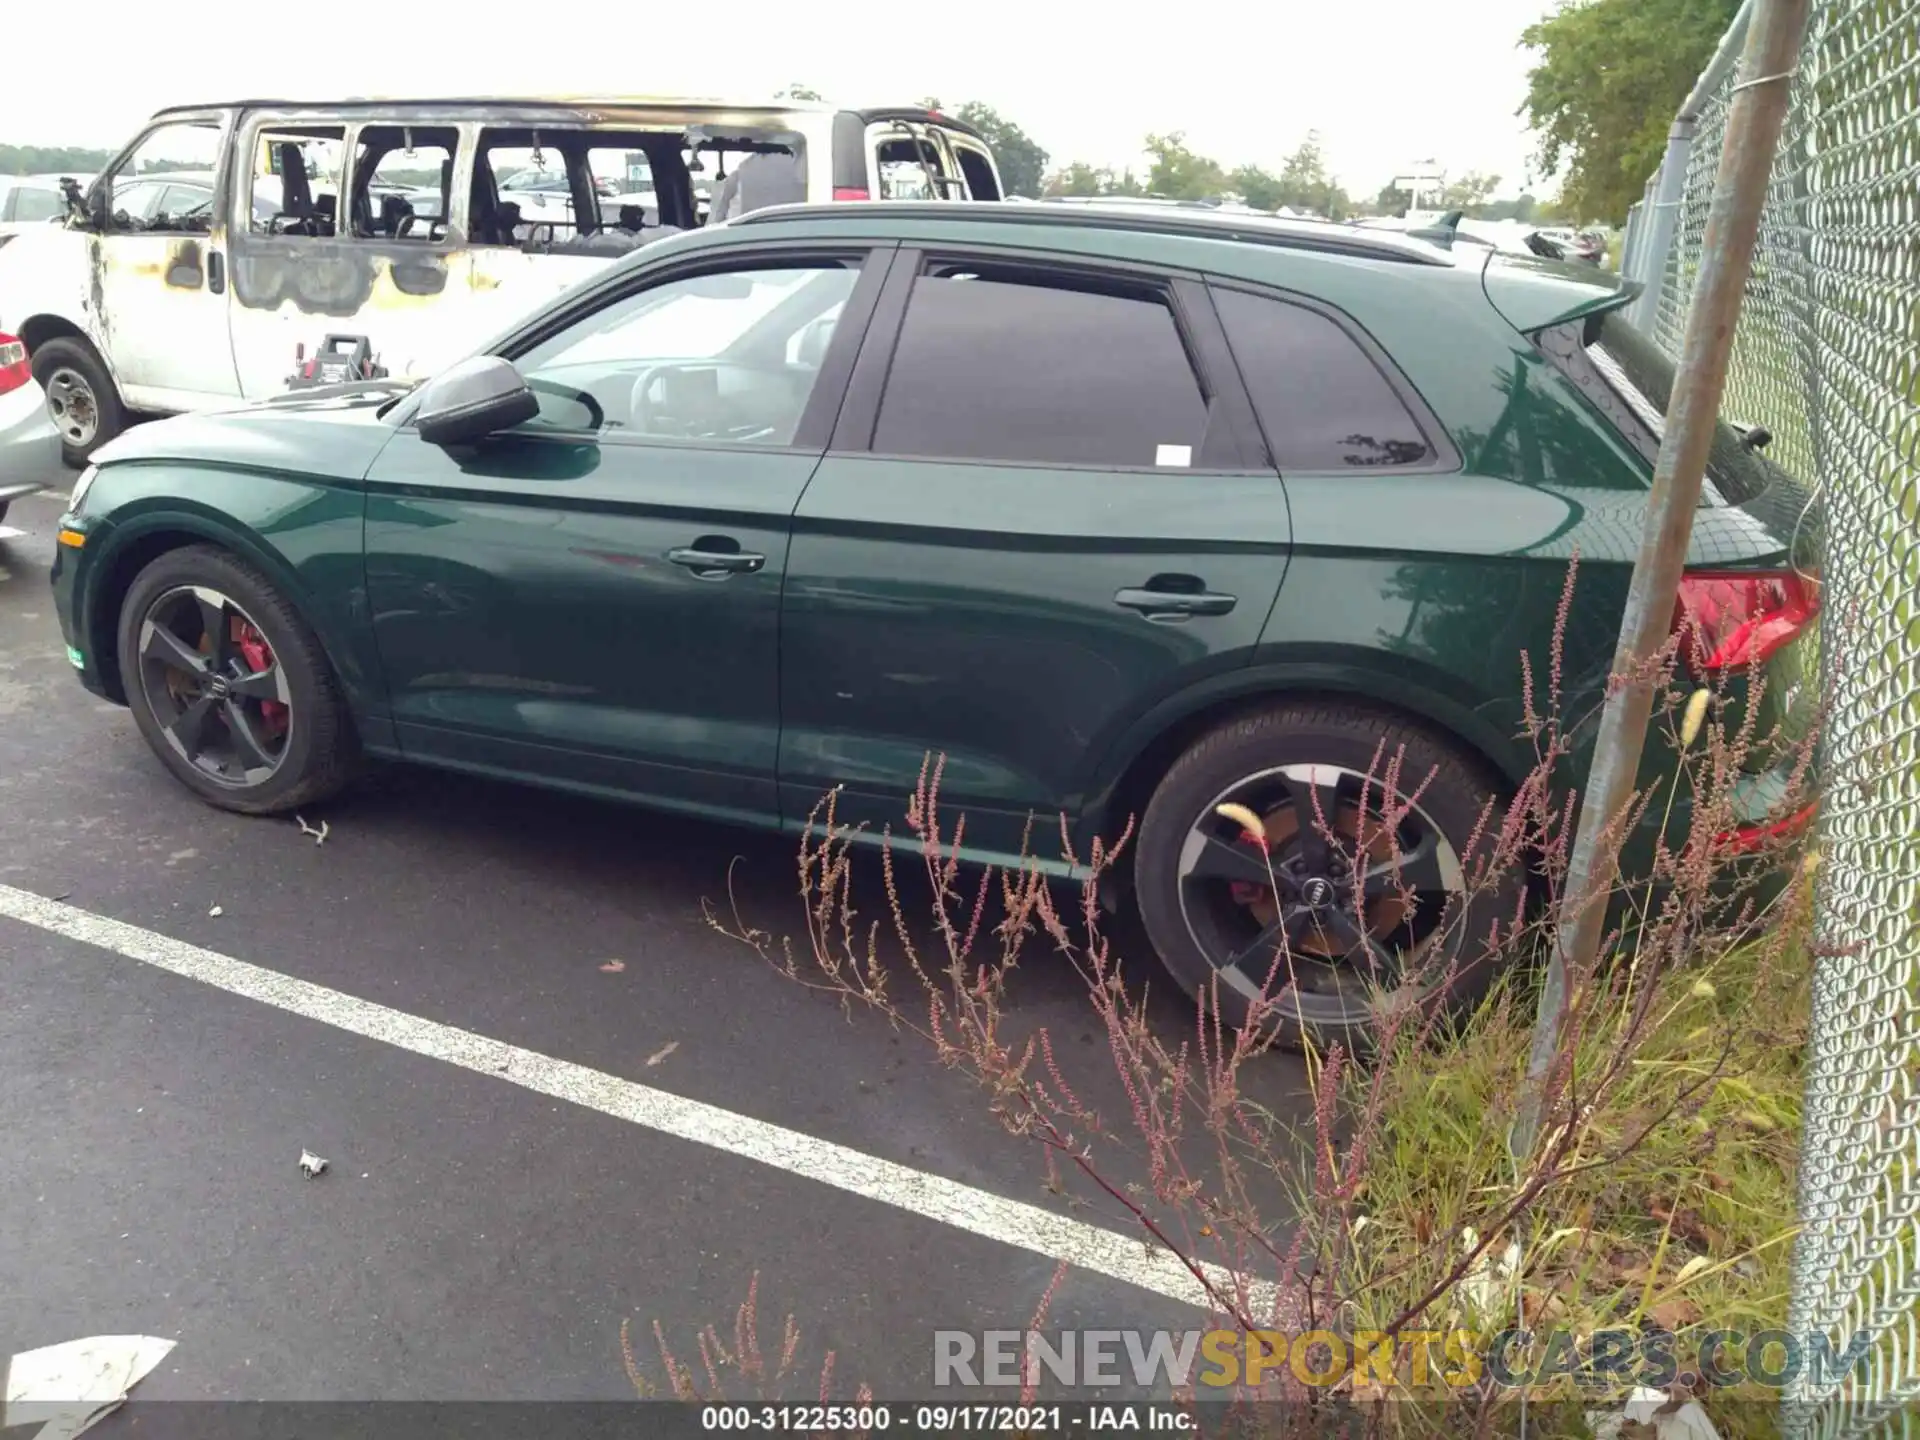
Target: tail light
[[14, 371], [851, 192], [1727, 619], [1749, 838]]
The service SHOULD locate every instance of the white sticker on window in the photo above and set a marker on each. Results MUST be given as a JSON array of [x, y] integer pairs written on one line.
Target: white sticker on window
[[1173, 455]]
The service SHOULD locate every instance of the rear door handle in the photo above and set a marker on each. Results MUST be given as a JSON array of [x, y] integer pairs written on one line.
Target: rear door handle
[[716, 564], [1174, 604]]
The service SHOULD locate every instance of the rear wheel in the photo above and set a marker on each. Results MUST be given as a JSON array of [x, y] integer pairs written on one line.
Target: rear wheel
[[230, 687], [81, 398], [1323, 908]]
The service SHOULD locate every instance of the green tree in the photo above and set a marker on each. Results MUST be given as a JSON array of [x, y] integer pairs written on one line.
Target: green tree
[[1391, 201], [1524, 209], [1470, 192], [1305, 183], [1259, 187], [51, 160], [1020, 157], [1180, 174], [797, 91], [1611, 74], [1079, 178], [1021, 160], [1082, 179]]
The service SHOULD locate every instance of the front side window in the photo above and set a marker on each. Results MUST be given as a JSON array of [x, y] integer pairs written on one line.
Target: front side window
[[1027, 367], [184, 150], [729, 357], [1321, 401]]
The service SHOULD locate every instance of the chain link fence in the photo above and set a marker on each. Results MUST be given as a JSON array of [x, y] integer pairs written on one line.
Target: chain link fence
[[1827, 357]]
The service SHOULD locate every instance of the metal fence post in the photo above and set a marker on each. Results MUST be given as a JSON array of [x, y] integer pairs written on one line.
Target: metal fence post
[[1733, 225], [1629, 242], [1664, 218]]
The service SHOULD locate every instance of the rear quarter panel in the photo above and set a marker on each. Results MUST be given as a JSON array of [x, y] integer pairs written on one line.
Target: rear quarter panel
[[1425, 591]]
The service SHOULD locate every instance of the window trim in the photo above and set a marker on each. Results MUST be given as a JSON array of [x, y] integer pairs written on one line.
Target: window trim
[[1227, 407], [959, 143], [454, 237], [871, 263], [246, 151], [1443, 457]]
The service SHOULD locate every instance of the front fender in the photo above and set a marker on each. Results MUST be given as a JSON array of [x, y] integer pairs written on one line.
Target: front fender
[[305, 537]]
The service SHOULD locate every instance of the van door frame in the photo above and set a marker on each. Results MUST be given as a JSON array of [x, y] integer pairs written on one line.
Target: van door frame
[[879, 131], [294, 290], [190, 262]]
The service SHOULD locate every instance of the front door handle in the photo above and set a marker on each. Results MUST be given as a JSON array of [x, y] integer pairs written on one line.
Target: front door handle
[[216, 272], [707, 559], [1174, 604]]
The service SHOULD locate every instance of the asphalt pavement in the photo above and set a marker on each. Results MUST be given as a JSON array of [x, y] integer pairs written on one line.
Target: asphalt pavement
[[476, 1236]]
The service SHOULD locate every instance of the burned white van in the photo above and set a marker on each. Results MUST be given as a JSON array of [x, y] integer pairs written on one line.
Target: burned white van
[[234, 251]]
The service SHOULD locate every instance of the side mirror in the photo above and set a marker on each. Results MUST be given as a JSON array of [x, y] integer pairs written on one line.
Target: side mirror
[[476, 398]]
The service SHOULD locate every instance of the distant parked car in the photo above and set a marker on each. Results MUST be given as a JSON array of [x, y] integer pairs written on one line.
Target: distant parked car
[[29, 446], [28, 200], [1586, 246]]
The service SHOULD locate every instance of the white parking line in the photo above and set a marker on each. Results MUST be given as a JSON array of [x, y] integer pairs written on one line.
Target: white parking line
[[979, 1212]]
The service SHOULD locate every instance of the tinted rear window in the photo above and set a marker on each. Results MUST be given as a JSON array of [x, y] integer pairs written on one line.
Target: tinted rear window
[[1321, 401]]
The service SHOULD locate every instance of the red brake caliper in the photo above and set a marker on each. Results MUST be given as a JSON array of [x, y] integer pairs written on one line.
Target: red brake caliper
[[254, 649], [1244, 892]]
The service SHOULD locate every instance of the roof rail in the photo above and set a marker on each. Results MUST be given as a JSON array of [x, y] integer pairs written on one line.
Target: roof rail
[[1326, 237]]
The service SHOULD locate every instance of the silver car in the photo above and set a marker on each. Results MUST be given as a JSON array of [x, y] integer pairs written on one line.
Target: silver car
[[29, 445]]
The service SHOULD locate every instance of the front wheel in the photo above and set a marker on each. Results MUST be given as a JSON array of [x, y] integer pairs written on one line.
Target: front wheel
[[1324, 909], [81, 399], [230, 687]]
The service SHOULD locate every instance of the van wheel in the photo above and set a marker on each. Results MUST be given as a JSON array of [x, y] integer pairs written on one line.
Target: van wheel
[[229, 686], [1324, 911], [81, 398]]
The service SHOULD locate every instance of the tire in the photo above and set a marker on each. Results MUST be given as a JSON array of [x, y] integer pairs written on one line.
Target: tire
[[1215, 933], [304, 752], [72, 374]]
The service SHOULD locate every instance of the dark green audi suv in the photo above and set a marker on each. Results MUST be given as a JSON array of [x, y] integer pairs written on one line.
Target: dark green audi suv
[[1125, 515]]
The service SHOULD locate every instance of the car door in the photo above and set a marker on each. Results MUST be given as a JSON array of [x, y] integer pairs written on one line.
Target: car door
[[1038, 521], [161, 313], [593, 597]]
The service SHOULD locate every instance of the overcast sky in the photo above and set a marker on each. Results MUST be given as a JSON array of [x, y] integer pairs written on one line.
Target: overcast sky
[[1386, 82]]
